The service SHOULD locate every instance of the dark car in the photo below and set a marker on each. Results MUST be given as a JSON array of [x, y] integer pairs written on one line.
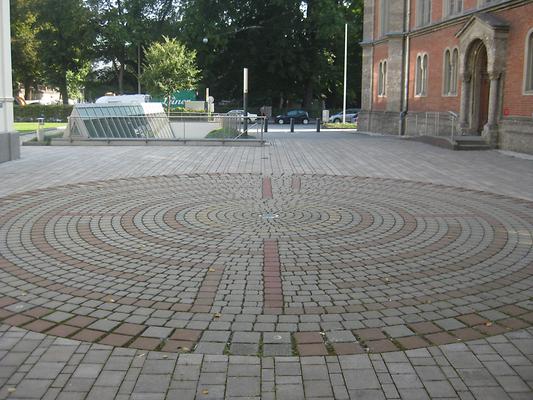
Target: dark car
[[299, 116]]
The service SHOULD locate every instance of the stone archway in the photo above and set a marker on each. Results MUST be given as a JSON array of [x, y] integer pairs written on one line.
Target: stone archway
[[478, 107], [482, 51]]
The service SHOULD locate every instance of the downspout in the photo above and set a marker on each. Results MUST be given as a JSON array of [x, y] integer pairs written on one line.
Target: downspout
[[371, 113], [406, 59]]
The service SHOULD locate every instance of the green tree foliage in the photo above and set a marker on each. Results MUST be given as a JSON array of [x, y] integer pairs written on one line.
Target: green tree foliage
[[294, 49], [170, 67], [66, 36], [124, 27], [25, 44]]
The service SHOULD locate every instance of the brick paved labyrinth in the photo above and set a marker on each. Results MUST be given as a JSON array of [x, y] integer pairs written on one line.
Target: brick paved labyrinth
[[247, 264]]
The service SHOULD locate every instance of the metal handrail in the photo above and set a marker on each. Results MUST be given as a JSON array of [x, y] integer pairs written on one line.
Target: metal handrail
[[454, 117], [435, 119]]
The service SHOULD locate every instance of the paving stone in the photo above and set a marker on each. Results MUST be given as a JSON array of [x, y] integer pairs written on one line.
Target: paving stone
[[215, 336], [437, 389], [157, 332], [361, 379], [398, 331], [312, 349], [246, 337], [276, 337], [341, 337], [243, 386], [210, 348], [277, 350], [348, 348], [289, 392]]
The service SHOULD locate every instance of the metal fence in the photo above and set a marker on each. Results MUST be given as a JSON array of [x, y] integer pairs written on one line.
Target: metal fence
[[179, 127]]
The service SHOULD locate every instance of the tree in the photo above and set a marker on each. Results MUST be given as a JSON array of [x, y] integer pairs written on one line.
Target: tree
[[66, 36], [123, 27], [169, 67], [293, 48], [25, 44]]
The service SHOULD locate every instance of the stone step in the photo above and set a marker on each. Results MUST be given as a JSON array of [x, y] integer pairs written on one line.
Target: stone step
[[471, 143]]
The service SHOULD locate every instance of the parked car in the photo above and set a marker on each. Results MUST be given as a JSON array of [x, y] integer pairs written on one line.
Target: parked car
[[351, 115], [239, 113], [299, 116]]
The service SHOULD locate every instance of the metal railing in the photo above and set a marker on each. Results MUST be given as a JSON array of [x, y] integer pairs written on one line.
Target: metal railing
[[179, 127], [432, 123]]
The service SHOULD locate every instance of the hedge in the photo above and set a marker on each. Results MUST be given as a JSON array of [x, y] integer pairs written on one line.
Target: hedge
[[51, 113]]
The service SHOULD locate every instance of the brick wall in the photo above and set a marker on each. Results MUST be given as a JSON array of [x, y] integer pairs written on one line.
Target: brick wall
[[515, 103], [434, 45], [377, 13]]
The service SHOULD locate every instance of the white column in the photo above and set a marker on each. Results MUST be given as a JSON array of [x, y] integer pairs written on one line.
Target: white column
[[6, 89]]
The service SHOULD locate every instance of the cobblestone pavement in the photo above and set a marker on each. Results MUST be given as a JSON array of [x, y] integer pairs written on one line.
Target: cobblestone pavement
[[266, 285]]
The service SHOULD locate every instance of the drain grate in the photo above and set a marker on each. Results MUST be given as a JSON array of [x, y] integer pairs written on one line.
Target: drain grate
[[269, 216]]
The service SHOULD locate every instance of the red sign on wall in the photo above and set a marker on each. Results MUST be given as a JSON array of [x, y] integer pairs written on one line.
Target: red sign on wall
[[506, 112]]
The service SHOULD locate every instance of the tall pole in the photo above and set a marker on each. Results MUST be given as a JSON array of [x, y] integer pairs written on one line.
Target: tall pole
[[6, 86], [345, 72], [139, 68], [207, 102], [245, 101]]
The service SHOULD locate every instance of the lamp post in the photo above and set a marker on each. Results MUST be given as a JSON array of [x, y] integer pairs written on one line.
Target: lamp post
[[9, 140], [245, 101], [345, 72]]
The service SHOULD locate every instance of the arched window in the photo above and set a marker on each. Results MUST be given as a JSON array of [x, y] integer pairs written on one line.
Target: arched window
[[382, 81], [421, 77], [455, 72], [451, 63], [423, 12], [528, 67], [453, 7], [447, 72]]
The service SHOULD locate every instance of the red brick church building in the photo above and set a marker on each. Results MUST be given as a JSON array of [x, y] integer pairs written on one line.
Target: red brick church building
[[449, 68]]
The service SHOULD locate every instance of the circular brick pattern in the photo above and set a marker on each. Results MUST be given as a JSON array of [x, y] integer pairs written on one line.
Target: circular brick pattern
[[203, 260]]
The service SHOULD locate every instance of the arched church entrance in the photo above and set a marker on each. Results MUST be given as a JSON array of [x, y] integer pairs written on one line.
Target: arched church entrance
[[479, 97]]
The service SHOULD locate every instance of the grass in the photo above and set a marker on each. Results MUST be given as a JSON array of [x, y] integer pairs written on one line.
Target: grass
[[340, 125], [28, 127]]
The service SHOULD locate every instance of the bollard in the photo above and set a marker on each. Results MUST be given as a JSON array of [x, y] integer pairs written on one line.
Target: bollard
[[266, 124], [40, 133], [318, 124], [292, 125]]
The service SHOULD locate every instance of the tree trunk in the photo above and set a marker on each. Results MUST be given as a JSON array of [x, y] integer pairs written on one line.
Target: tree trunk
[[63, 88], [27, 89], [121, 78]]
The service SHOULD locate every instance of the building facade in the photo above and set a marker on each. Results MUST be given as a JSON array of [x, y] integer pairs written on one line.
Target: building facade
[[449, 67]]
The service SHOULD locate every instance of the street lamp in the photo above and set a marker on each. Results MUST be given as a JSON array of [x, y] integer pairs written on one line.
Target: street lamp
[[245, 100], [345, 72]]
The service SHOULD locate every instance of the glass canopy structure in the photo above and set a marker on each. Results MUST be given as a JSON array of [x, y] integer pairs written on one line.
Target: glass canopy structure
[[118, 120]]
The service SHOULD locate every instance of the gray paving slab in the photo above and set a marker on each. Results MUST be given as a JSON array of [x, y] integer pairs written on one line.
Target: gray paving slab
[[34, 365]]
